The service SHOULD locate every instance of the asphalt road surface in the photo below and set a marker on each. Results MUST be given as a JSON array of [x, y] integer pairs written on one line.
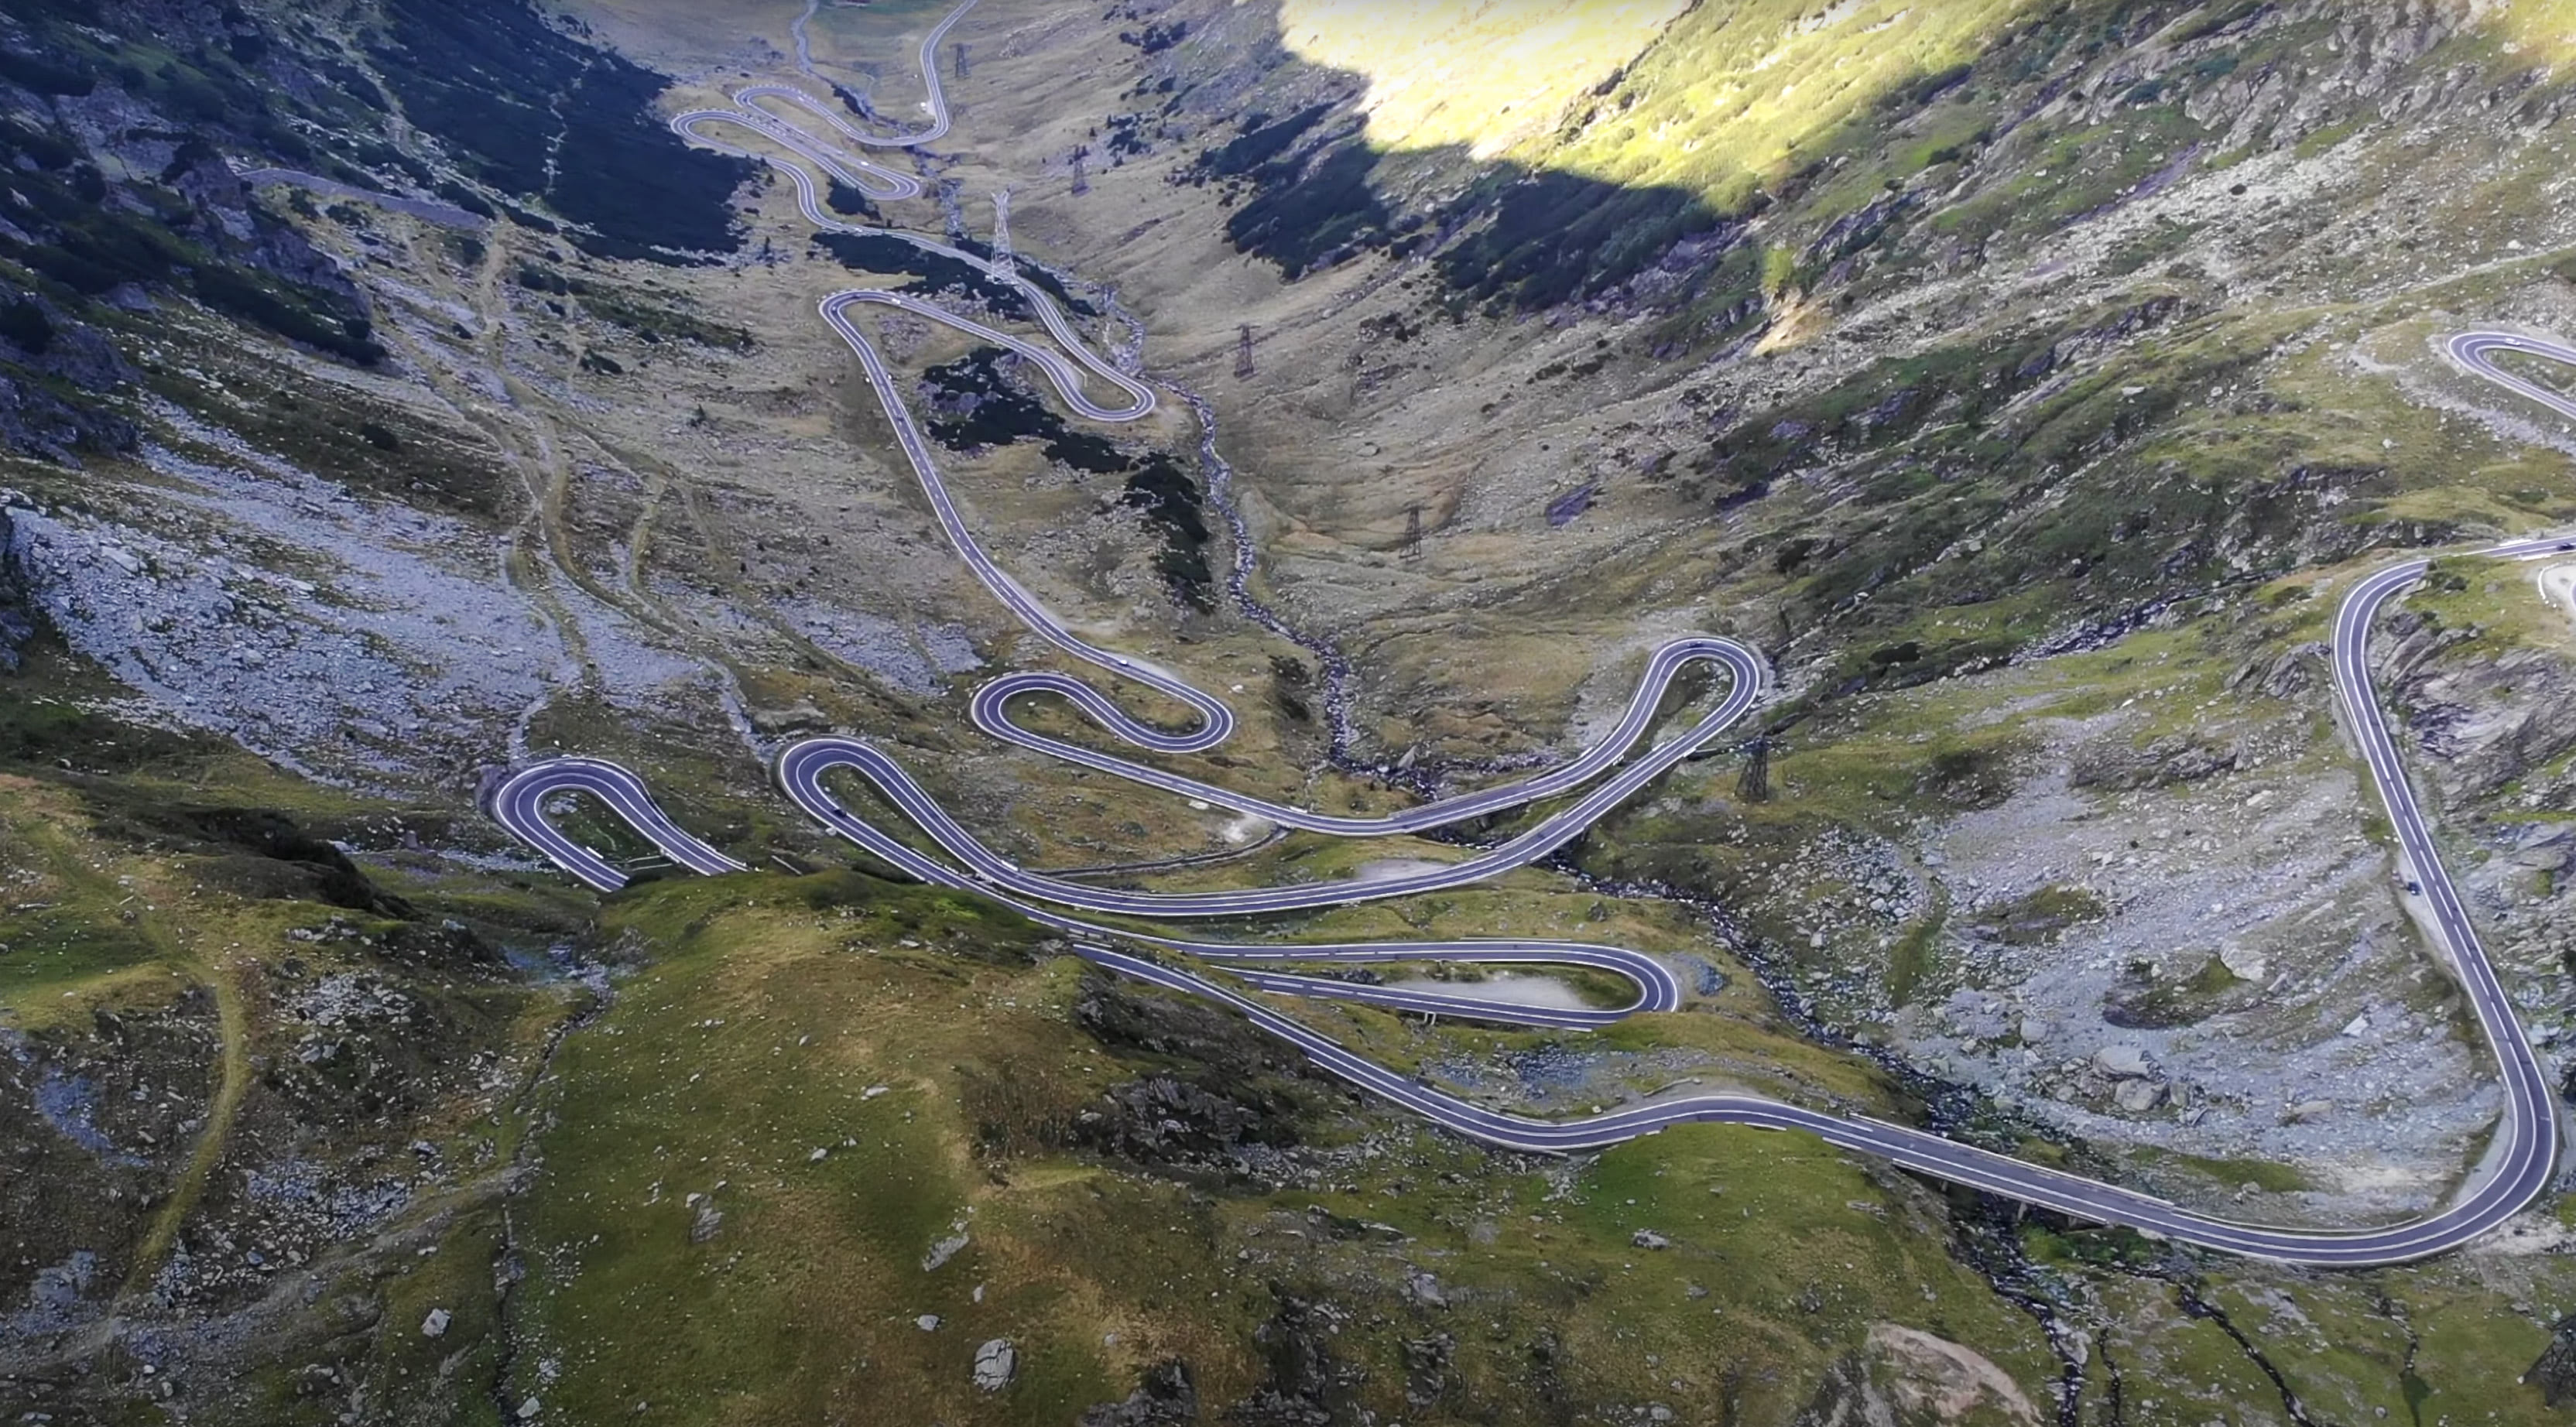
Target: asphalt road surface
[[2517, 1168], [869, 177]]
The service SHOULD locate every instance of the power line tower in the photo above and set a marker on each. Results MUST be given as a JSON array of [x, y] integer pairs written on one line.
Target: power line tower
[[961, 59], [1243, 351], [1412, 549], [1081, 177], [1753, 785]]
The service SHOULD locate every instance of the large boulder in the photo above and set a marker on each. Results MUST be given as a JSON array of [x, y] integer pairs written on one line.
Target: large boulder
[[996, 1362], [2122, 1062]]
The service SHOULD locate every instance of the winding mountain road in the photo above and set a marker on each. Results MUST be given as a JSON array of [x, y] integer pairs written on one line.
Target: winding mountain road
[[874, 179], [2518, 1167]]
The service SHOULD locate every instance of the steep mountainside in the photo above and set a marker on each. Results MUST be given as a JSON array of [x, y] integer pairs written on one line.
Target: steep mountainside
[[389, 396]]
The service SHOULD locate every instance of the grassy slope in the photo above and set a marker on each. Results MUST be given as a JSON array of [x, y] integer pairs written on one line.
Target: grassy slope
[[2445, 1339], [776, 1006], [134, 943], [1734, 96]]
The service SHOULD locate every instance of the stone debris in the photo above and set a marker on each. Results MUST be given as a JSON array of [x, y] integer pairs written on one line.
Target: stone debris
[[2122, 1062], [403, 657], [2143, 945], [2243, 962], [995, 1364], [2138, 1096], [2545, 847], [946, 1249]]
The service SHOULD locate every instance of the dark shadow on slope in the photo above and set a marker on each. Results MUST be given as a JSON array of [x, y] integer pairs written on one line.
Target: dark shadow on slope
[[503, 90], [976, 402], [257, 852], [1517, 240], [880, 253], [1557, 237], [86, 220], [1309, 192]]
